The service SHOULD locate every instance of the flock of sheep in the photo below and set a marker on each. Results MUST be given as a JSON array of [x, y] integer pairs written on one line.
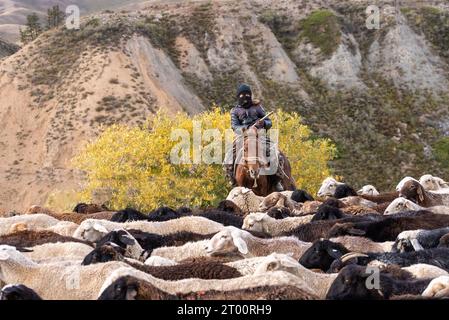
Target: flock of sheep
[[288, 245]]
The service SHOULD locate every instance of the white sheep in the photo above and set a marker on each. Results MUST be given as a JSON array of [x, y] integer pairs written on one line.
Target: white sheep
[[59, 251], [328, 187], [437, 288], [93, 230], [402, 204], [425, 271], [432, 183], [157, 261], [179, 253], [232, 240], [248, 201], [318, 282], [32, 222], [63, 228], [54, 281], [368, 190], [262, 222]]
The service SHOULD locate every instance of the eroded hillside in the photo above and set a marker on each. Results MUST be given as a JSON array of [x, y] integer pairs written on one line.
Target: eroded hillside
[[380, 95]]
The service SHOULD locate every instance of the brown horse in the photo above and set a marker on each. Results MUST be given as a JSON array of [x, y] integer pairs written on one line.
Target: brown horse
[[248, 169]]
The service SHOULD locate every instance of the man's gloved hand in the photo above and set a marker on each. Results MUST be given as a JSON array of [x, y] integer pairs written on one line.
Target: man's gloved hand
[[260, 124]]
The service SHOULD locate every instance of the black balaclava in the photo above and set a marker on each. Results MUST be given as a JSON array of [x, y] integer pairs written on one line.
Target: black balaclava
[[244, 96]]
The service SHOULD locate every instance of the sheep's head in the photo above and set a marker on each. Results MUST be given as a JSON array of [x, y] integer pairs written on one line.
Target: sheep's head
[[277, 262], [91, 231], [255, 221], [11, 254], [430, 182], [270, 201], [328, 187], [351, 284], [413, 190], [107, 252], [368, 190], [236, 192], [321, 254], [125, 240], [18, 292], [437, 288], [400, 204], [404, 180], [406, 241], [444, 241], [229, 240]]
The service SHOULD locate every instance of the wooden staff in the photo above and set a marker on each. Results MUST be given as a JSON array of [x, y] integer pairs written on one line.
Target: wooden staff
[[266, 116]]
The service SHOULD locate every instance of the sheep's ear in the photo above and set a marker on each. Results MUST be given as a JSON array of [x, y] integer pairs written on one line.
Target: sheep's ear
[[240, 244], [4, 256], [259, 217], [22, 249], [100, 228], [126, 239], [420, 194], [356, 232]]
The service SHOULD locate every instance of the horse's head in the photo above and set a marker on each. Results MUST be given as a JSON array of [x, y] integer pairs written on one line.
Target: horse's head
[[253, 165]]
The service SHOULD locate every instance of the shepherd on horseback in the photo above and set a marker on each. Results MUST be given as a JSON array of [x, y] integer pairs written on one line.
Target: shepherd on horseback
[[248, 119]]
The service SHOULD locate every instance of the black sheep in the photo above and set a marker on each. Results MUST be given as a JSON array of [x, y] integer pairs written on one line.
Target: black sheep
[[351, 284], [225, 218], [128, 214], [387, 228], [151, 241], [279, 213], [301, 196], [326, 212], [104, 253], [438, 257], [422, 239], [321, 254], [343, 191], [18, 292], [229, 206], [315, 230], [165, 214]]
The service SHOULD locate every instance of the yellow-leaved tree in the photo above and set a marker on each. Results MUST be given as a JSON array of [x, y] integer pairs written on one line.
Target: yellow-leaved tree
[[134, 163]]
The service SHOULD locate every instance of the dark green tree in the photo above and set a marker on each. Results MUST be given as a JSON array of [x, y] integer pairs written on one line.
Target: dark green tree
[[32, 29], [55, 17]]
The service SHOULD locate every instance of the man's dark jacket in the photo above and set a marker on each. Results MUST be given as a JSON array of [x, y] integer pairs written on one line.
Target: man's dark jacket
[[243, 118]]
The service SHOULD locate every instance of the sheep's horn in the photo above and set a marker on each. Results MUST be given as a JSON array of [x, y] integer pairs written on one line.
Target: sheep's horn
[[351, 255], [416, 245]]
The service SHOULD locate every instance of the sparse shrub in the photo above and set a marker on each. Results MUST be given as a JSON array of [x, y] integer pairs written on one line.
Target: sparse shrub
[[135, 162], [322, 29], [441, 151]]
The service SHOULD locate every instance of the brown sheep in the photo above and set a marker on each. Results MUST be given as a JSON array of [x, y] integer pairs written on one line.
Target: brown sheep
[[89, 208], [39, 209], [35, 238], [414, 191], [382, 198]]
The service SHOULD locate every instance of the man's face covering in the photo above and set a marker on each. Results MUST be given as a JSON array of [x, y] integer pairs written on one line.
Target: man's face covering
[[245, 99]]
